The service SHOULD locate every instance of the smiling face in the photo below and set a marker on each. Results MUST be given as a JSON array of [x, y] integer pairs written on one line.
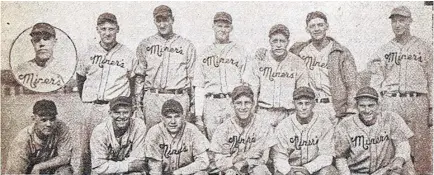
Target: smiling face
[[164, 24], [367, 108], [243, 107], [304, 107], [107, 32], [121, 116], [400, 24], [45, 124], [278, 43], [317, 28], [222, 29], [43, 45], [173, 122]]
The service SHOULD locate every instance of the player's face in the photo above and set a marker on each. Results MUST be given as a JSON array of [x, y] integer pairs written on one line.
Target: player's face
[[173, 122], [222, 30], [45, 124], [121, 116], [43, 45], [278, 43], [317, 28], [164, 25], [367, 108], [243, 107], [304, 107], [400, 24], [107, 32]]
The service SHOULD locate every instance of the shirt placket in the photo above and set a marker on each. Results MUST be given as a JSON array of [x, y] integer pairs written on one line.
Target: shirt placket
[[104, 77], [164, 67], [277, 84], [304, 149]]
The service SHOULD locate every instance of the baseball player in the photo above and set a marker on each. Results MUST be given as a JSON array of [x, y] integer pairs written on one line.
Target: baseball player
[[372, 141], [241, 143], [217, 73], [275, 76], [43, 73], [175, 146], [304, 139], [407, 65], [103, 74], [165, 68], [118, 145], [44, 147]]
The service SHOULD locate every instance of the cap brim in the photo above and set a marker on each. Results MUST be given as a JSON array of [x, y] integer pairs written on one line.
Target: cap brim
[[366, 95], [392, 15], [120, 103], [222, 19], [301, 96]]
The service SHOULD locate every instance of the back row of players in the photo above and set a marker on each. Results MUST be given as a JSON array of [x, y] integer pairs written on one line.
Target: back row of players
[[165, 70]]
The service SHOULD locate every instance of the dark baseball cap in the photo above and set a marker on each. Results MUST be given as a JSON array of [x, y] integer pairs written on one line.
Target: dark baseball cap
[[223, 16], [171, 106], [402, 11], [306, 92], [121, 100], [45, 108], [367, 92], [162, 10], [279, 28], [242, 90], [107, 17], [316, 14], [43, 29]]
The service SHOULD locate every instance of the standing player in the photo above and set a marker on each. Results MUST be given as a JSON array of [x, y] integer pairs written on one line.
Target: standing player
[[165, 68], [103, 74], [43, 147], [241, 143], [407, 65], [275, 76], [372, 141], [175, 146], [217, 73], [118, 145], [304, 139]]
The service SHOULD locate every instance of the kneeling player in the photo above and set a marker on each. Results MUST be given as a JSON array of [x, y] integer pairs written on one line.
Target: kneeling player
[[242, 142], [118, 145], [43, 147], [175, 146], [304, 139], [372, 141]]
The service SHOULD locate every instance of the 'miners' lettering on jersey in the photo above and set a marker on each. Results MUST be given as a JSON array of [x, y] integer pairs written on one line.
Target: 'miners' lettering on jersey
[[98, 59], [267, 72], [396, 58], [168, 151], [237, 140], [159, 50], [215, 61], [298, 143], [33, 80], [311, 63], [360, 140]]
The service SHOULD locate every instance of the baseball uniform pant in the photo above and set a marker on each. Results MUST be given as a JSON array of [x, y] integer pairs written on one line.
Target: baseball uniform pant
[[215, 112], [257, 170], [407, 169], [415, 112], [153, 102], [96, 114], [328, 170], [273, 115], [328, 110]]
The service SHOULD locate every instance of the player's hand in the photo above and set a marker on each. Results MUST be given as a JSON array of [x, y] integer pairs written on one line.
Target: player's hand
[[299, 170], [242, 166], [239, 158], [138, 113], [260, 53], [136, 166], [200, 125], [396, 166], [177, 172], [35, 170]]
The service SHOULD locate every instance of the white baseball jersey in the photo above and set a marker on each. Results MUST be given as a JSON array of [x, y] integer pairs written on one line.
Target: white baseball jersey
[[309, 145], [230, 140], [219, 68], [276, 81], [175, 152], [166, 64], [107, 72], [369, 148], [111, 154]]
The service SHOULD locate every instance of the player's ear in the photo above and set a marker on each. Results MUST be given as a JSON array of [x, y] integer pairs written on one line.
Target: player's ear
[[232, 27]]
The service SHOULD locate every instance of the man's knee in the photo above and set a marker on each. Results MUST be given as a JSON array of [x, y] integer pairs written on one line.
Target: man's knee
[[328, 170], [64, 170], [201, 173], [260, 170]]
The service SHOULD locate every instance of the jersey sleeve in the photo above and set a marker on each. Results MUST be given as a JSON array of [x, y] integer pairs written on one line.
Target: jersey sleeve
[[303, 78], [82, 67], [191, 61], [138, 149], [250, 76], [199, 77], [64, 146], [200, 142], [141, 63], [282, 146], [341, 143], [152, 147], [18, 156], [218, 140], [326, 140], [400, 131]]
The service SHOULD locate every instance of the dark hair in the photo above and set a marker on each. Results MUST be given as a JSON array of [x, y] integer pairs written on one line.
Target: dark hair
[[315, 14]]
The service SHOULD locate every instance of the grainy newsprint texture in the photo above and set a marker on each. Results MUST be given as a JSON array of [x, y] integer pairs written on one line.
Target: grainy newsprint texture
[[195, 87]]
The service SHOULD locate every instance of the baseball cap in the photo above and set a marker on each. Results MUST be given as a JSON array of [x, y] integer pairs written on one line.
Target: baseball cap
[[279, 28], [223, 16], [43, 28], [367, 92], [316, 14], [162, 10], [303, 92], [242, 90], [106, 17], [45, 108], [401, 10], [171, 106], [121, 100]]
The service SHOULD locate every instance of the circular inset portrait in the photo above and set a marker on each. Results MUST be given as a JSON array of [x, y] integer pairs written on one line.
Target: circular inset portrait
[[43, 58]]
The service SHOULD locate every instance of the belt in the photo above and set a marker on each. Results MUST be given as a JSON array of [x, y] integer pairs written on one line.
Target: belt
[[100, 102], [404, 94], [322, 100], [219, 95], [168, 91]]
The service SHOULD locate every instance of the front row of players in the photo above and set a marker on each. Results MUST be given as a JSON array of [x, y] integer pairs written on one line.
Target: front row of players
[[369, 142]]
